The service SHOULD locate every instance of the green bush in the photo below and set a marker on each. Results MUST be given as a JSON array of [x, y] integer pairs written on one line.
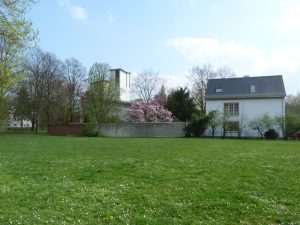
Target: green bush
[[89, 130], [271, 134], [197, 125], [292, 125]]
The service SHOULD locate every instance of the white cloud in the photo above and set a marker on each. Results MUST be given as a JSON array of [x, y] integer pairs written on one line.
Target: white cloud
[[243, 59], [78, 12], [290, 20], [201, 50], [110, 17], [175, 80]]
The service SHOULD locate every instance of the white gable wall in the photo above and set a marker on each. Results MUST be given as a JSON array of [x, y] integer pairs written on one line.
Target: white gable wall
[[249, 109]]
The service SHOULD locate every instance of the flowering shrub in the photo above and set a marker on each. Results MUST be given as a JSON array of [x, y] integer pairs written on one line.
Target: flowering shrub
[[148, 112]]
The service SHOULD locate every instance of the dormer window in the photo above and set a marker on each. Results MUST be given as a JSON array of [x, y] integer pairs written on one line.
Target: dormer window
[[219, 90], [252, 88]]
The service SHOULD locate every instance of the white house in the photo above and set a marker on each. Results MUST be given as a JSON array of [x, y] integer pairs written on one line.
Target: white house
[[13, 122], [243, 99]]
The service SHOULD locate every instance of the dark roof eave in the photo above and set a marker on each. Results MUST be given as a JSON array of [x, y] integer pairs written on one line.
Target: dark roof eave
[[243, 97], [121, 70]]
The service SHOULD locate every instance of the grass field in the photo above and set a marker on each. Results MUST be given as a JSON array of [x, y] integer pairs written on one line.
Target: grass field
[[68, 180]]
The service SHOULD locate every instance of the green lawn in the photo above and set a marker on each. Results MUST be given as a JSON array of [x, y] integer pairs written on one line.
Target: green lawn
[[70, 180]]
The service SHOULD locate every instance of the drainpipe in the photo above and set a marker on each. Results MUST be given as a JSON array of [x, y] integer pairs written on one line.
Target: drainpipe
[[283, 116]]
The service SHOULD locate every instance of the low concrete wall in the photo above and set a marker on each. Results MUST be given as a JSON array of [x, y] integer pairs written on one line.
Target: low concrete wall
[[175, 129], [143, 129]]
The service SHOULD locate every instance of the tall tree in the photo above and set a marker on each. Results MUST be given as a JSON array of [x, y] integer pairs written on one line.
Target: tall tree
[[44, 83], [181, 104], [21, 106], [74, 85], [53, 75], [146, 84], [36, 86], [199, 75], [103, 94], [16, 37], [293, 104]]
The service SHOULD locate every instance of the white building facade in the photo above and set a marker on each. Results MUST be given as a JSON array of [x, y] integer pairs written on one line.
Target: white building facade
[[242, 100], [122, 79], [14, 122]]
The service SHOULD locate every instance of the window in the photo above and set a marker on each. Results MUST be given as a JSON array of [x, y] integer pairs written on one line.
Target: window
[[231, 109], [252, 88], [219, 90]]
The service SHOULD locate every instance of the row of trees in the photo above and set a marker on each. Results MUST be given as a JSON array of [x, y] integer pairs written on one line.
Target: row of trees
[[51, 90], [54, 91], [146, 84], [44, 89], [36, 85], [181, 102]]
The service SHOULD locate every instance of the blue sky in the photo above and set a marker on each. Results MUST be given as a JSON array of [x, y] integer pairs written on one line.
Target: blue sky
[[253, 37]]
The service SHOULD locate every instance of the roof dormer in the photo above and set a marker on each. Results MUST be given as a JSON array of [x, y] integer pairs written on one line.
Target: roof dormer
[[252, 88], [219, 90]]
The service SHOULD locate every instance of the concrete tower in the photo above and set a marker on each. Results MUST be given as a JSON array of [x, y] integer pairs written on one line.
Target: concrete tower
[[122, 79]]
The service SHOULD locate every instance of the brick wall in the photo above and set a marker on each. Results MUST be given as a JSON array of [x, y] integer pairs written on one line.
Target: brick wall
[[74, 129]]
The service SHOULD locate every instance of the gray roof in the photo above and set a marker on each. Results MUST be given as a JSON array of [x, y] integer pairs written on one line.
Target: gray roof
[[120, 69], [238, 88]]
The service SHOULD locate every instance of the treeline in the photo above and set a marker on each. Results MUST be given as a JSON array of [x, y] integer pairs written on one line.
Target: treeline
[[50, 92], [54, 91]]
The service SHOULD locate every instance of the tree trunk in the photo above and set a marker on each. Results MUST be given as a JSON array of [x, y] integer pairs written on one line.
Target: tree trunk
[[32, 124], [36, 125], [224, 132]]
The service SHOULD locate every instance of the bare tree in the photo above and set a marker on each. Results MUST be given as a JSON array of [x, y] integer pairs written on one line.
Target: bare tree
[[146, 84], [215, 120], [53, 75], [199, 75], [36, 86], [225, 72], [262, 123], [103, 94], [44, 83], [74, 86]]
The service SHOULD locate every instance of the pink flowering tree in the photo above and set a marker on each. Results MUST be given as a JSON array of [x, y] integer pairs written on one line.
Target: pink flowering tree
[[150, 111]]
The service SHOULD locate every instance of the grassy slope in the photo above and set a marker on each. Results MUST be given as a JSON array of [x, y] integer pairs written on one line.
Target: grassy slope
[[67, 180]]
